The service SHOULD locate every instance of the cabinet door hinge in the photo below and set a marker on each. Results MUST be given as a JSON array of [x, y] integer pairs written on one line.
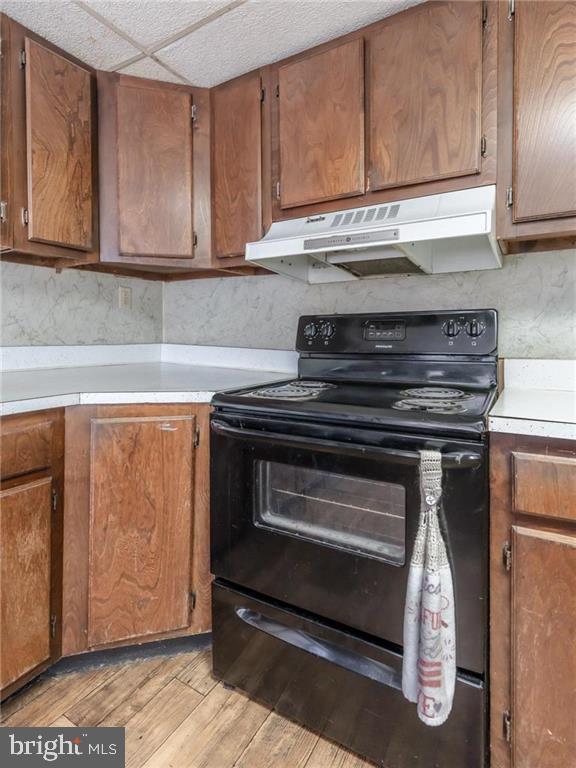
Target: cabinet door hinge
[[54, 501], [3, 211], [484, 13], [194, 113], [53, 625], [277, 190], [22, 58], [507, 726], [196, 438], [194, 239], [511, 9], [507, 556], [192, 600], [25, 217], [483, 146], [509, 197]]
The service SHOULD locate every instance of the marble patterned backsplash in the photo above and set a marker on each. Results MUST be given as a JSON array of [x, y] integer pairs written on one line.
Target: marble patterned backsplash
[[535, 295], [41, 307]]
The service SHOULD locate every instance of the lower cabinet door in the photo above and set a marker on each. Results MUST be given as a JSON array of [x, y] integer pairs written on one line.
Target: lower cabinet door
[[25, 547], [340, 684], [141, 483], [543, 648]]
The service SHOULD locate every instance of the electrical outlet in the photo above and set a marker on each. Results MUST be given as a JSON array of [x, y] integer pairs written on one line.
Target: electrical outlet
[[124, 297]]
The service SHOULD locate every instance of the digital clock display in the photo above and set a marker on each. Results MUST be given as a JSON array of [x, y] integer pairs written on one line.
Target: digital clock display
[[378, 330]]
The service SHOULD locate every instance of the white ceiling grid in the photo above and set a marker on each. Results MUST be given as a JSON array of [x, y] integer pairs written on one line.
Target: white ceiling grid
[[202, 42]]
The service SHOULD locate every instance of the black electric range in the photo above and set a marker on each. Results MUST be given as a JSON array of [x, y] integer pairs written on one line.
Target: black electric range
[[315, 502]]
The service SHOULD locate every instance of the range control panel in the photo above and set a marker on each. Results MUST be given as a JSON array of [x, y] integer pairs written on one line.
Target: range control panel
[[459, 332]]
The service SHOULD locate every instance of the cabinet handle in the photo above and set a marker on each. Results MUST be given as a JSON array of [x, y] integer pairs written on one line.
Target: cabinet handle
[[168, 428]]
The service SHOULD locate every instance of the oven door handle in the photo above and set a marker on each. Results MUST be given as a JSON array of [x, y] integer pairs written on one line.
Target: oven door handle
[[455, 460]]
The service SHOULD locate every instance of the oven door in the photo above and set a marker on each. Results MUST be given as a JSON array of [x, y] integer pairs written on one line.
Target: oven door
[[324, 519]]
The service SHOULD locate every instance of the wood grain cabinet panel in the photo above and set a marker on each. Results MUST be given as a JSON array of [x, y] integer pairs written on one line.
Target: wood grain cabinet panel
[[544, 110], [236, 165], [25, 552], [141, 480], [424, 94], [321, 125], [154, 171], [48, 153], [59, 133], [532, 601], [545, 485], [543, 648], [27, 445]]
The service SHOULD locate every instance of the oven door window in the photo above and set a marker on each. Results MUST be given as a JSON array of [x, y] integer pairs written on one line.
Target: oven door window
[[363, 516]]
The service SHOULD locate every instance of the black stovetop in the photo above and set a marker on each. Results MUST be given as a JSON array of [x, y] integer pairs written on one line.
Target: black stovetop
[[432, 373], [441, 410]]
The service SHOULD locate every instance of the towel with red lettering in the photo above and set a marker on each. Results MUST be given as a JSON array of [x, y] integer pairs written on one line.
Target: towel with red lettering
[[429, 667]]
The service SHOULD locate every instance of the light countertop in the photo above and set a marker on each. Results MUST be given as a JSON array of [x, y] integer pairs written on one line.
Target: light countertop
[[155, 382], [539, 398]]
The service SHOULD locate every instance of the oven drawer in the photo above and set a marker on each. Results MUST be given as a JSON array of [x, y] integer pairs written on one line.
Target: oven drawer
[[336, 683]]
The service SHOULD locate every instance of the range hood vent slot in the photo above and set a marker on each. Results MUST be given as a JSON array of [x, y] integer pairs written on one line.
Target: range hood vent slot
[[365, 216]]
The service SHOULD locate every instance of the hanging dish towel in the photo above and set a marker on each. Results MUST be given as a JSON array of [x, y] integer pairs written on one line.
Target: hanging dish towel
[[429, 669]]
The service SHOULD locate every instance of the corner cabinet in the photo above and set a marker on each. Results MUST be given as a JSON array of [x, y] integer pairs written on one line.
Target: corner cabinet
[[402, 108], [49, 211], [136, 525], [154, 173], [537, 115], [532, 602], [30, 546]]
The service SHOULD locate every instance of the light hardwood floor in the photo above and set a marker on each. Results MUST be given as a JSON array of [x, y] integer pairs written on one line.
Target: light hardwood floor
[[175, 715]]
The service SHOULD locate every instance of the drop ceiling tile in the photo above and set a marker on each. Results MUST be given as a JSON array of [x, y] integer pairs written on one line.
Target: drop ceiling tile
[[68, 26], [148, 22], [262, 31], [147, 67]]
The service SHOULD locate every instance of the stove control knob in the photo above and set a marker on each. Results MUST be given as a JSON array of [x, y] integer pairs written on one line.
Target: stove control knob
[[327, 330], [475, 328], [310, 330], [451, 328]]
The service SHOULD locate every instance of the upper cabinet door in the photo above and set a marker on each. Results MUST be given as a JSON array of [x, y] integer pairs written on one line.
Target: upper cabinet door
[[424, 94], [236, 165], [321, 126], [59, 149], [154, 170], [544, 160]]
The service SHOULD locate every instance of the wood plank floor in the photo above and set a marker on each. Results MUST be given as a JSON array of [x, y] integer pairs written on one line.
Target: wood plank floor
[[175, 714]]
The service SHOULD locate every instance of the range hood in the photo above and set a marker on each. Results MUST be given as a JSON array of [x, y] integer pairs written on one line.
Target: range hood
[[452, 232]]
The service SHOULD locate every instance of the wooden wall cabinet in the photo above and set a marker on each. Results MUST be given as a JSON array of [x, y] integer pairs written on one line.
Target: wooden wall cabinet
[[402, 108], [136, 525], [425, 95], [321, 125], [532, 602], [154, 173], [537, 114], [30, 546], [48, 162], [237, 153]]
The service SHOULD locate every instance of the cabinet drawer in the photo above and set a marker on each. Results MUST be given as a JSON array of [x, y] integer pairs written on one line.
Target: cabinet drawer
[[544, 485], [26, 446]]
